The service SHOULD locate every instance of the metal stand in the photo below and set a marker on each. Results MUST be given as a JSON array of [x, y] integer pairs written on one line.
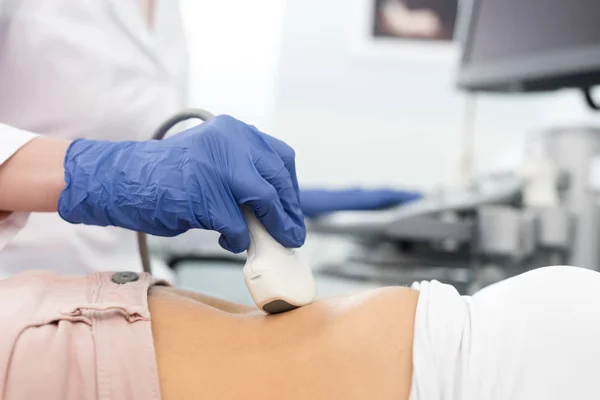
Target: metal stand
[[576, 152]]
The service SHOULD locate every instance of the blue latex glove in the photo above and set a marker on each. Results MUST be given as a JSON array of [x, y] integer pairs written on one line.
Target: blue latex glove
[[317, 202], [196, 179]]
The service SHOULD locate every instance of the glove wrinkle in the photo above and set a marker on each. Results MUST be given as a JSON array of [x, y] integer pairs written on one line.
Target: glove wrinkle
[[195, 179]]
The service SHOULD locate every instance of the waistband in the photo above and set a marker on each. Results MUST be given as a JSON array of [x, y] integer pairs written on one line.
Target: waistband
[[78, 337]]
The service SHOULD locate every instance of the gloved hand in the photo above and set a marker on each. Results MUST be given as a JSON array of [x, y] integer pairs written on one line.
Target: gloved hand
[[196, 179], [316, 202]]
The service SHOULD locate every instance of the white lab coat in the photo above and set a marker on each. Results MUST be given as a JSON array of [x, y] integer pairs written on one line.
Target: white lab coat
[[92, 69]]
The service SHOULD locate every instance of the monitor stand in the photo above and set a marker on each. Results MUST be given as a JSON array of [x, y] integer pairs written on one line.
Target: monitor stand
[[576, 153]]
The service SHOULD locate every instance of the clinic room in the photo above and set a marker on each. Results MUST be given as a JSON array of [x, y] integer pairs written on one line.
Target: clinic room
[[299, 199]]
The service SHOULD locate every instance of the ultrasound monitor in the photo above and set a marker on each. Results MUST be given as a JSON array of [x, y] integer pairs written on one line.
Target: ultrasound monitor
[[530, 45]]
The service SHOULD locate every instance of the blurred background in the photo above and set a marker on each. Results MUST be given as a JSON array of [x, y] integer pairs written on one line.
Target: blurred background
[[314, 74], [366, 93]]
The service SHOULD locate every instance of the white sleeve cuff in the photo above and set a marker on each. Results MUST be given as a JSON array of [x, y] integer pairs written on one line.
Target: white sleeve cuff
[[10, 225], [11, 140]]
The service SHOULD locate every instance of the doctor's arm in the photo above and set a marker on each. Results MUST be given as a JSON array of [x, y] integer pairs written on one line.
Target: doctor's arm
[[197, 179], [33, 177]]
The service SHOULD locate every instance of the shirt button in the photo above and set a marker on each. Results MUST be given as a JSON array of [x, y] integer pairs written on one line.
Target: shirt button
[[125, 277]]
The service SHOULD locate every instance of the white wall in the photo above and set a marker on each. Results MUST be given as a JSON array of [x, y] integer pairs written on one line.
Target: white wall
[[383, 116], [234, 49], [304, 71], [568, 107]]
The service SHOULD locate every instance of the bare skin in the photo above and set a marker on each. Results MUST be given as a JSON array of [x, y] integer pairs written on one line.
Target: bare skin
[[147, 9], [33, 178], [352, 347]]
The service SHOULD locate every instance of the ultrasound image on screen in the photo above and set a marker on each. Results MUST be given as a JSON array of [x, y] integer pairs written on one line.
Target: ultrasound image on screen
[[415, 19], [508, 29]]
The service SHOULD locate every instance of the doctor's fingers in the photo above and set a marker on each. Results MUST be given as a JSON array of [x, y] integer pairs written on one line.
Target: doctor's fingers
[[274, 202], [287, 156]]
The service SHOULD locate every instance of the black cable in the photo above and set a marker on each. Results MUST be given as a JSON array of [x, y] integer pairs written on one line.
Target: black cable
[[589, 99], [190, 113], [159, 134]]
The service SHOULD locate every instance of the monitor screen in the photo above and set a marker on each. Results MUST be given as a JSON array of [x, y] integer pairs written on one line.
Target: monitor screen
[[531, 44]]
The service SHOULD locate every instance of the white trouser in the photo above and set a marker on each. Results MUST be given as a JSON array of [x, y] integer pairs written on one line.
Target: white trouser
[[534, 336]]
